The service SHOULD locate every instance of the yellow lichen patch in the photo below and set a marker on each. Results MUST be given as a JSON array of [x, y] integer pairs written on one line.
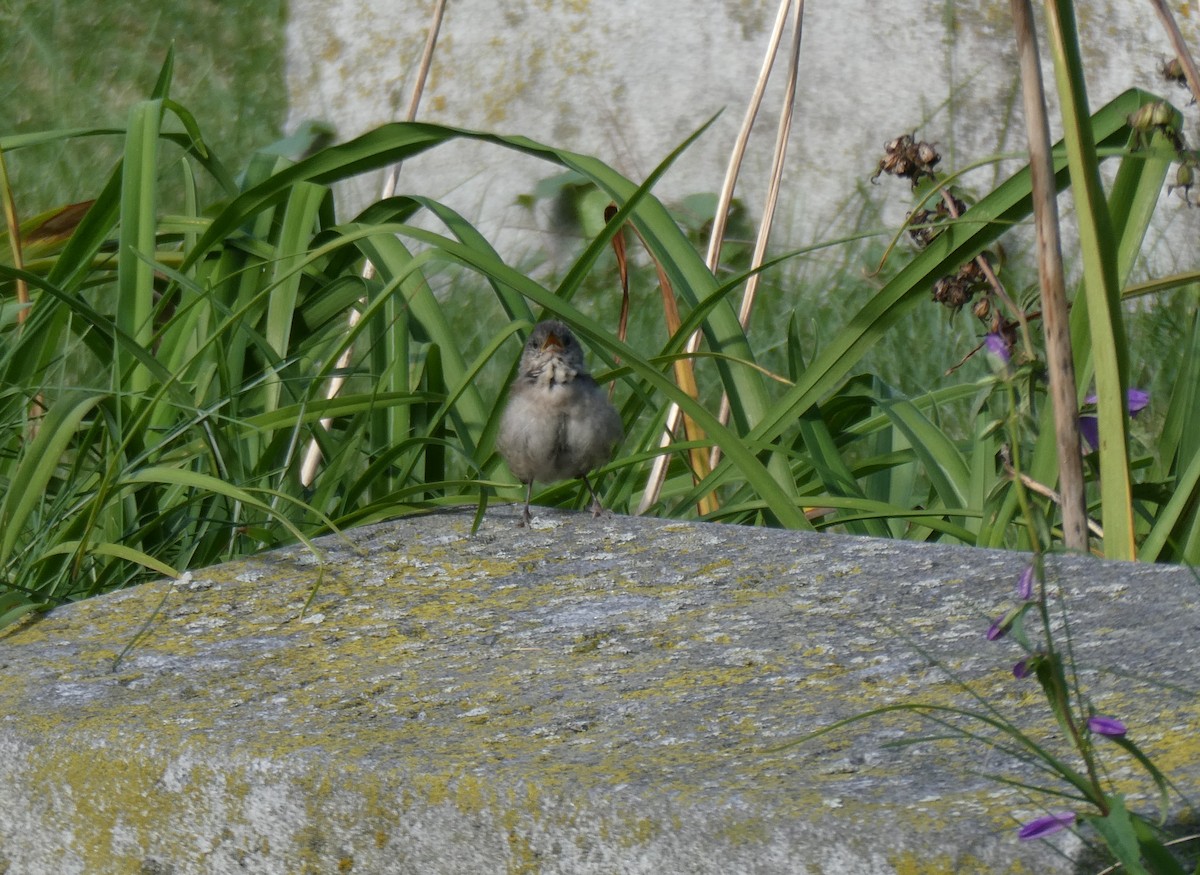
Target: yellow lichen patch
[[590, 687]]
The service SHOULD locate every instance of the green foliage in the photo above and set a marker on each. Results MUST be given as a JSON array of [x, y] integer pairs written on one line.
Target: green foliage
[[162, 384], [169, 331], [72, 65]]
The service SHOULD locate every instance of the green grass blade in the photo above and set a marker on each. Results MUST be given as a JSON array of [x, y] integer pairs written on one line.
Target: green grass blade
[[944, 464], [1181, 507], [835, 474], [1098, 248], [116, 551], [135, 275], [37, 465], [291, 250]]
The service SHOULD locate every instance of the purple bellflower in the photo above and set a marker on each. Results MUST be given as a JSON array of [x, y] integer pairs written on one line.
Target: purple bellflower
[[1089, 426]]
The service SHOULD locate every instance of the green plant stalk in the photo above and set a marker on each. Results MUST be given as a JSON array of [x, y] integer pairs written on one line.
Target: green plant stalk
[[1101, 288]]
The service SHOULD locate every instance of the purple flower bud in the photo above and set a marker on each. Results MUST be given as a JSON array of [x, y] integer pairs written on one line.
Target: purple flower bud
[[1004, 622], [1045, 826], [997, 346], [999, 628], [1025, 584], [1110, 726], [1028, 665]]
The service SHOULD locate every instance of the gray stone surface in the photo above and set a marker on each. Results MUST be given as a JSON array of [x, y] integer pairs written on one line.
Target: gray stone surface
[[613, 695]]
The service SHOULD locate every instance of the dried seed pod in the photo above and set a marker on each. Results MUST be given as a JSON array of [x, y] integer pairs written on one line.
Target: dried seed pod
[[922, 228], [1158, 116], [1162, 115], [972, 272], [1143, 118], [952, 292], [907, 158], [957, 291], [1171, 69], [1185, 178]]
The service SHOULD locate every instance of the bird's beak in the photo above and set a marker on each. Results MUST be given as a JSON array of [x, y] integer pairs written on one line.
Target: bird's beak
[[552, 341]]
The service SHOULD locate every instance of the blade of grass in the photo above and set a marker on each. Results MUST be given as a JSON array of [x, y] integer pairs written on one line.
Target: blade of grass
[[299, 221], [135, 275], [1101, 289], [28, 481]]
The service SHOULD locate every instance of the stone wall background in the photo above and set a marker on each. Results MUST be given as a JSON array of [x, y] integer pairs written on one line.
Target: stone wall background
[[627, 80]]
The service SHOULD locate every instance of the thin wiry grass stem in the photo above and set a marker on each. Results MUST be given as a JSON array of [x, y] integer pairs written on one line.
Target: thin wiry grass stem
[[312, 457], [1063, 390]]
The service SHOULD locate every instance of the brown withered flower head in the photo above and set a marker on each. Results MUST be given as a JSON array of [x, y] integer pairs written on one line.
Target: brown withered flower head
[[907, 158], [957, 291], [925, 225]]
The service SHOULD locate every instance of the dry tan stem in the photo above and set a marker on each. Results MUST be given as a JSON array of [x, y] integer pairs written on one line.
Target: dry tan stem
[[37, 408], [658, 471], [1046, 492], [312, 457], [768, 217], [717, 237], [685, 378], [14, 239], [1063, 391]]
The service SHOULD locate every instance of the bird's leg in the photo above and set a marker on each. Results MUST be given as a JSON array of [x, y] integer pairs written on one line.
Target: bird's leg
[[597, 507], [526, 516]]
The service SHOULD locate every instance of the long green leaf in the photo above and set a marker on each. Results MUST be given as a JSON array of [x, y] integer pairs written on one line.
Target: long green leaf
[[36, 466], [1098, 250], [135, 277], [299, 222]]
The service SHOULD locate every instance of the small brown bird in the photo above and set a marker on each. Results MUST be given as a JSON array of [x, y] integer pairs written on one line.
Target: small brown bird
[[558, 424]]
